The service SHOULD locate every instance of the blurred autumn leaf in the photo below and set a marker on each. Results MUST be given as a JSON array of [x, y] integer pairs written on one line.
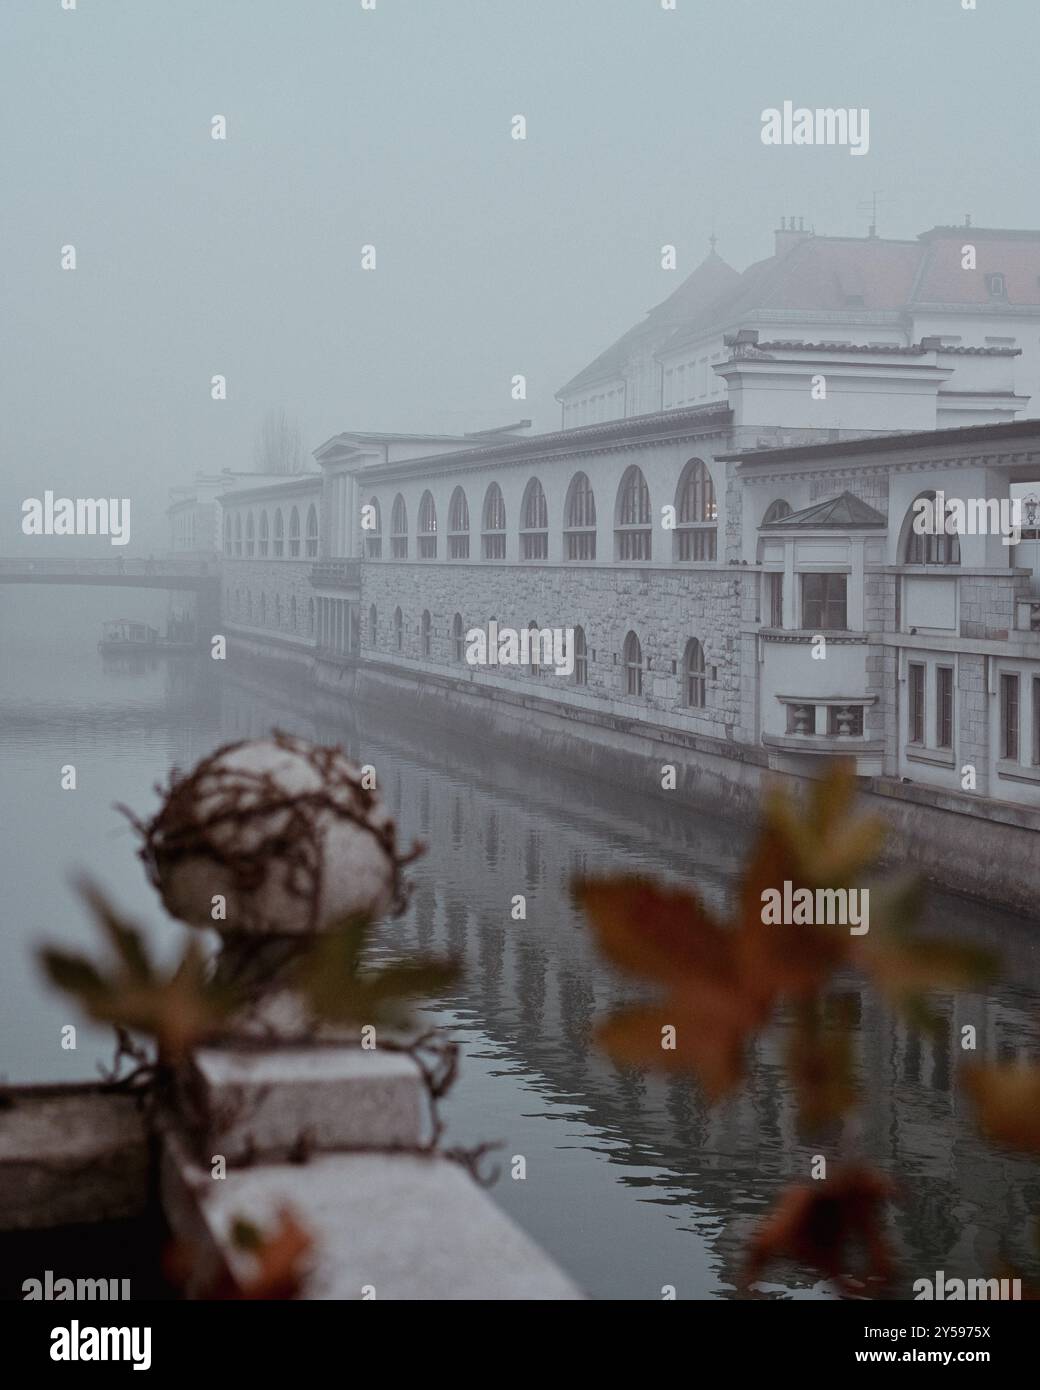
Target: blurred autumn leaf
[[279, 1257], [338, 989], [179, 1009], [822, 1224], [722, 977], [193, 1004], [821, 1063], [277, 1266], [1007, 1098]]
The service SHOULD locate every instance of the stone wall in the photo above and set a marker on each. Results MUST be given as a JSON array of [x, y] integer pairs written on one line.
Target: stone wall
[[244, 583], [665, 608]]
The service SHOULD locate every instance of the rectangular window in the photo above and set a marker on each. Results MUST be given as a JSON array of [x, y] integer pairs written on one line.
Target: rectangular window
[[494, 545], [944, 706], [1009, 717], [581, 545], [399, 547], [915, 707], [697, 544], [458, 547], [1036, 721], [534, 545], [776, 600], [824, 602]]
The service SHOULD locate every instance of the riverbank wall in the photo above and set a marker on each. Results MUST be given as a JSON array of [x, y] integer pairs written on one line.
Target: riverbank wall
[[966, 843]]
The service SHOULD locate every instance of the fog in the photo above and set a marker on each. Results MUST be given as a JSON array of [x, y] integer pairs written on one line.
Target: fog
[[391, 127]]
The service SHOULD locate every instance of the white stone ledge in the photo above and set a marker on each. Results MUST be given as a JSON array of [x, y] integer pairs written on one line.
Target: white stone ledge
[[405, 1226]]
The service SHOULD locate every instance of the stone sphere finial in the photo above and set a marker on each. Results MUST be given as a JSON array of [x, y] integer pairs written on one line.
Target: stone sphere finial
[[274, 837]]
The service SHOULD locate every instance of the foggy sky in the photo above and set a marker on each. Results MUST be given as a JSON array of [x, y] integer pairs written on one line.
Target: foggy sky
[[495, 256]]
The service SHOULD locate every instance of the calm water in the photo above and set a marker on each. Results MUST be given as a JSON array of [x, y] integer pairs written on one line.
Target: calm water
[[632, 1182]]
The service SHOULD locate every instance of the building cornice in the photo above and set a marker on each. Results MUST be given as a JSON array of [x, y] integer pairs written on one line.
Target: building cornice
[[633, 432]]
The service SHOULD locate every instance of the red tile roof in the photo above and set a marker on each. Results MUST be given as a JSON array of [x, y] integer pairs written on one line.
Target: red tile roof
[[835, 274]]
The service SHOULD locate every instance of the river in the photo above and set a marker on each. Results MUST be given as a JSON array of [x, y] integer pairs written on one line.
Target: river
[[632, 1182]]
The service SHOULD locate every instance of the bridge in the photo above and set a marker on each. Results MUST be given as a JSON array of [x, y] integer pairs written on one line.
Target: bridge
[[122, 572]]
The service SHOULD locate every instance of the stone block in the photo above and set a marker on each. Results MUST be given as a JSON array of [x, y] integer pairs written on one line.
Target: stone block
[[69, 1155], [275, 1101]]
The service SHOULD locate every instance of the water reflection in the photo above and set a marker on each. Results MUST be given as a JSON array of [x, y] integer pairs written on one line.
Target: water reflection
[[632, 1181]]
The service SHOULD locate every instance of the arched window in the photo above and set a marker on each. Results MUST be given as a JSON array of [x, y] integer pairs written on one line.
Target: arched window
[[265, 535], [534, 523], [425, 633], [696, 514], [374, 531], [579, 526], [581, 657], [263, 610], [312, 532], [632, 659], [776, 511], [310, 616], [398, 629], [250, 534], [693, 675], [632, 525], [279, 534], [493, 527], [399, 530], [292, 612], [294, 534], [373, 632], [427, 527], [238, 533], [227, 534], [937, 544], [458, 526], [458, 638]]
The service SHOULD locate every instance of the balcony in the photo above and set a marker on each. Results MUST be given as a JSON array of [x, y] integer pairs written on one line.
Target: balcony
[[336, 574], [817, 725]]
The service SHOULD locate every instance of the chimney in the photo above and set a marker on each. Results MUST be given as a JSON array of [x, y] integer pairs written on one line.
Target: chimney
[[788, 235]]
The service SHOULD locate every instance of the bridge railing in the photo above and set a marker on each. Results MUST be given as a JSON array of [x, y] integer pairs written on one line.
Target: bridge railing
[[336, 574], [118, 565]]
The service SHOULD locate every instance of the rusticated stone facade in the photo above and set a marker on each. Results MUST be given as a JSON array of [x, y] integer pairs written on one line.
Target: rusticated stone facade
[[275, 597], [664, 608]]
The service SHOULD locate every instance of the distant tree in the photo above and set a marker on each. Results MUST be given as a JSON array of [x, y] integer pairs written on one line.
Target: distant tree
[[279, 445]]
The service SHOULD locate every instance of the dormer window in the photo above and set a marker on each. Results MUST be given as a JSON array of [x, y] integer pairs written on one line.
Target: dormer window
[[996, 284]]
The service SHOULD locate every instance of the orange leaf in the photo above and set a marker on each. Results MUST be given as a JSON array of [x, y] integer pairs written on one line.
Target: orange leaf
[[820, 1224], [1007, 1096], [280, 1261], [710, 1035], [658, 933]]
